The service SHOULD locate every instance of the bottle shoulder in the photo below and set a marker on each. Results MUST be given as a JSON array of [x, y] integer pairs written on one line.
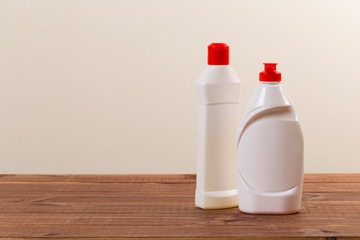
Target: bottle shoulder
[[268, 103], [218, 84], [268, 96], [217, 74]]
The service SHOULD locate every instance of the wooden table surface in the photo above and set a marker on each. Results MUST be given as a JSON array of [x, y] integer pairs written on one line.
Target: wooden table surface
[[162, 206]]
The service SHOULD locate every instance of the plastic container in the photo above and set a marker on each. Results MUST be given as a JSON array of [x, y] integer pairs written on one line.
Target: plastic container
[[218, 90], [270, 150]]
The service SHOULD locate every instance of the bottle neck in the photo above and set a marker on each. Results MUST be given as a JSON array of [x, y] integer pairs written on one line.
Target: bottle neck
[[270, 83], [218, 66]]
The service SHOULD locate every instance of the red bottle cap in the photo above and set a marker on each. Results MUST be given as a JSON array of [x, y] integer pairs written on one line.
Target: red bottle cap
[[270, 74], [218, 54]]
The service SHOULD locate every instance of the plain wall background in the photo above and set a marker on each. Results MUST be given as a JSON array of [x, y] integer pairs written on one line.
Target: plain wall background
[[98, 86]]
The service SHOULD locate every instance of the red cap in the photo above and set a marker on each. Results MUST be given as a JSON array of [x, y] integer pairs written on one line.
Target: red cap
[[270, 74], [218, 54]]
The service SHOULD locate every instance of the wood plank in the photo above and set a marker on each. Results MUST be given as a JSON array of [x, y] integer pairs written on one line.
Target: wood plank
[[158, 178], [332, 187], [83, 231], [162, 207], [97, 187], [192, 238], [181, 188], [85, 197], [179, 219], [331, 178], [19, 196], [170, 194], [98, 178]]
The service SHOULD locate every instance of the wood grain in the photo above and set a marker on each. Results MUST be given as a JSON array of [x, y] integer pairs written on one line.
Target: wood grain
[[98, 178], [158, 178], [162, 206]]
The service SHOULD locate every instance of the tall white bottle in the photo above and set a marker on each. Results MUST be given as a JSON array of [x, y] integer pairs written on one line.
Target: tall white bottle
[[218, 90], [270, 150]]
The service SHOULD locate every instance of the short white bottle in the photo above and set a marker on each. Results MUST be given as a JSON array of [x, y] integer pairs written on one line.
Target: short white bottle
[[218, 90], [269, 151]]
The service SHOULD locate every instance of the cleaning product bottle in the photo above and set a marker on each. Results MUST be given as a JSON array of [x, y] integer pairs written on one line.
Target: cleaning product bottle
[[270, 150], [218, 90]]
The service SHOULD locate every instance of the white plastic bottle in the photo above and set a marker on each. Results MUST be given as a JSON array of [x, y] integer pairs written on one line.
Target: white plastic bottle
[[218, 90], [270, 150]]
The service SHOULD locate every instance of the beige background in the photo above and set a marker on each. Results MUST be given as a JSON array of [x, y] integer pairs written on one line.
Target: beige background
[[108, 86]]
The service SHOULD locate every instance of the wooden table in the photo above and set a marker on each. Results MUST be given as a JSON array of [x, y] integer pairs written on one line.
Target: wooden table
[[162, 206]]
